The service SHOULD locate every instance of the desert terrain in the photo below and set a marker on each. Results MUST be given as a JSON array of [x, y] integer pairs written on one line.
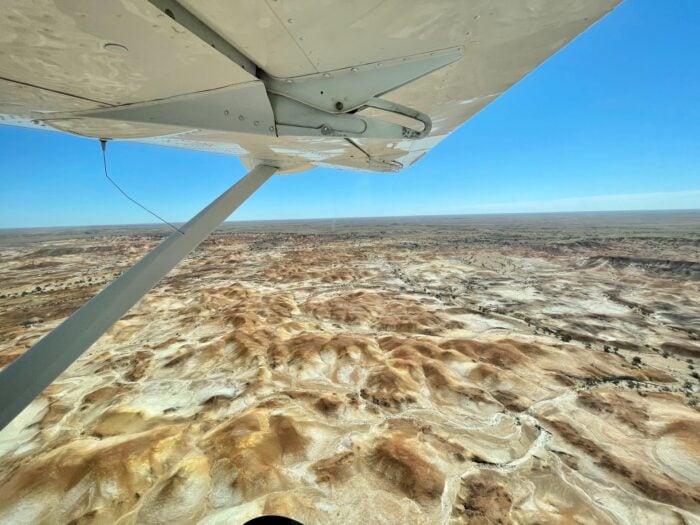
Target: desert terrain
[[495, 369]]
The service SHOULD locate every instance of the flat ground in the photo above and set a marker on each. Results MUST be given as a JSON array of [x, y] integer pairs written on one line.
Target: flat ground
[[503, 369]]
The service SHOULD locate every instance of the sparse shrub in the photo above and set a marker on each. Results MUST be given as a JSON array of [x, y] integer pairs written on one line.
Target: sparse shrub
[[695, 375], [636, 361]]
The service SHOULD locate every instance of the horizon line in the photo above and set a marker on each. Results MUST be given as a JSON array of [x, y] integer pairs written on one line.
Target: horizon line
[[357, 217]]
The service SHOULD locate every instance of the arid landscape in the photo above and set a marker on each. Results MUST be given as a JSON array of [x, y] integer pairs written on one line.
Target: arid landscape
[[483, 369]]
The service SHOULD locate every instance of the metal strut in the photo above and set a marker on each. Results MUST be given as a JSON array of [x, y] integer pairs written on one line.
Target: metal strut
[[27, 376]]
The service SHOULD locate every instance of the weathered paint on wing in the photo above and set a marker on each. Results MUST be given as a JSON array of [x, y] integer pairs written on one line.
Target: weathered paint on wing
[[54, 58]]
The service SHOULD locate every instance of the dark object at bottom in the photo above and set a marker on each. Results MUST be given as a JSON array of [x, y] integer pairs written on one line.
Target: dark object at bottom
[[272, 520]]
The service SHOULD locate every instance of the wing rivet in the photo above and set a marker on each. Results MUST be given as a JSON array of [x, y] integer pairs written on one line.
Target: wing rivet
[[226, 112], [256, 123], [241, 117]]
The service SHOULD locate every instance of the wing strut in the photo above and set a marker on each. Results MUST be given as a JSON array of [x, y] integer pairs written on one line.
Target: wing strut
[[27, 376]]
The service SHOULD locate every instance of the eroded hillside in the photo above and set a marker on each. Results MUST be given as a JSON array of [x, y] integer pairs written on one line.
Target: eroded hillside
[[505, 370]]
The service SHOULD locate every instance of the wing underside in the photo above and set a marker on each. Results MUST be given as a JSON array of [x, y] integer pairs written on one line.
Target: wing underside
[[66, 64]]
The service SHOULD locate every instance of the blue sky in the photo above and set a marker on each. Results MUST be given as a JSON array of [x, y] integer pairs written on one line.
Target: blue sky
[[610, 122]]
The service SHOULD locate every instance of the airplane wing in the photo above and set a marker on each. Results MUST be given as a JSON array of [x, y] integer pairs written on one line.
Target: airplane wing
[[294, 83], [286, 85]]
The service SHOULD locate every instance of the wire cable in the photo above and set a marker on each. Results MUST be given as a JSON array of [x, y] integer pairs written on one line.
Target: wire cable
[[103, 144]]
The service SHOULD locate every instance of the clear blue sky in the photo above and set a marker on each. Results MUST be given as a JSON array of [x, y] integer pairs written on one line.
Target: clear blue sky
[[610, 122]]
